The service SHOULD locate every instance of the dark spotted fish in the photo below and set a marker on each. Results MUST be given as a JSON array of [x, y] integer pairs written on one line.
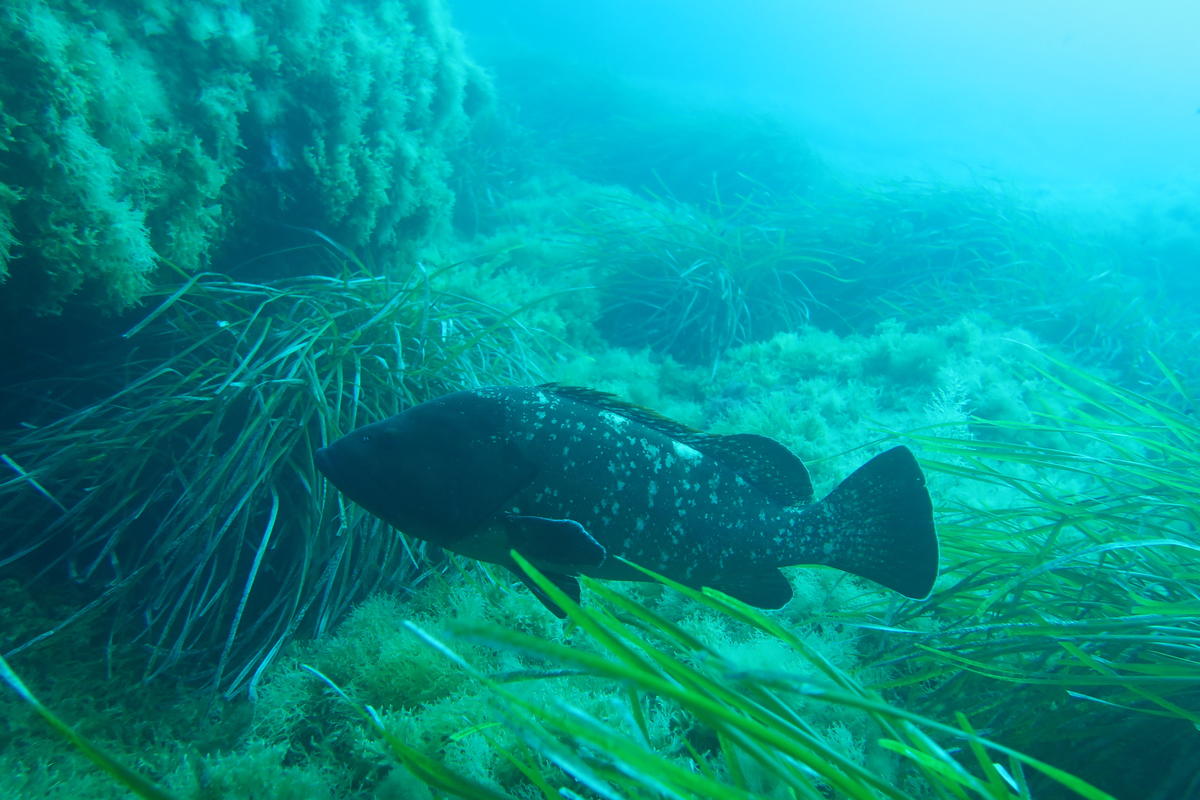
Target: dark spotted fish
[[572, 477]]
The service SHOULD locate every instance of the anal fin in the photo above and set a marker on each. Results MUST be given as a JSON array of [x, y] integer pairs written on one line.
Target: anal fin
[[761, 588]]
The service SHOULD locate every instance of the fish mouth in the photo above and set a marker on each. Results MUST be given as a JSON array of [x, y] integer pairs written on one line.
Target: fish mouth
[[364, 488], [324, 461]]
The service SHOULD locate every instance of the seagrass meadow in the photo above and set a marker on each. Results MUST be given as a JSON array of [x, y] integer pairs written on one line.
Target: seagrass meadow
[[276, 249]]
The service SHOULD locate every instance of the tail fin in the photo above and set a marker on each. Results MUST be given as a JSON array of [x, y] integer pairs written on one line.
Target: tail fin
[[879, 525]]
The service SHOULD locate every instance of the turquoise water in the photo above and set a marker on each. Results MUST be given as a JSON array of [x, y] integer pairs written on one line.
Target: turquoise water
[[1092, 103], [230, 235]]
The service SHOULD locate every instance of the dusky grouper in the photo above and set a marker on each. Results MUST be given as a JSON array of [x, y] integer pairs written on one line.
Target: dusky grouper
[[572, 477]]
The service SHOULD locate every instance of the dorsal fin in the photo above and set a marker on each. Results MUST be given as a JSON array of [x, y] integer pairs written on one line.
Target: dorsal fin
[[632, 412], [761, 461]]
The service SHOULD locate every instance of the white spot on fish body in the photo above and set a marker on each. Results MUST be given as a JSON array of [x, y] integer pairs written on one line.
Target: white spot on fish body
[[686, 452], [615, 420]]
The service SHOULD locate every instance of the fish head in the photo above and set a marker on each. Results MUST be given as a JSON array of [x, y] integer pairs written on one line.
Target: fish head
[[439, 470]]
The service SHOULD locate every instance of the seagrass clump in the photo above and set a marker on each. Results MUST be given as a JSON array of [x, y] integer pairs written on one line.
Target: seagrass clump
[[183, 510], [693, 283]]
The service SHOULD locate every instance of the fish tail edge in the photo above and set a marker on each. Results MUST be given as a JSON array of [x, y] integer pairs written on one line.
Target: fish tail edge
[[879, 523]]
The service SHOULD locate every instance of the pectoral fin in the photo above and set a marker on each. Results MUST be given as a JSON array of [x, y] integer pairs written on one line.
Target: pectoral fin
[[568, 584], [554, 541]]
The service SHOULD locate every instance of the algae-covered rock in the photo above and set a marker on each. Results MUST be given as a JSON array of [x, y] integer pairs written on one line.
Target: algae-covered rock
[[139, 133]]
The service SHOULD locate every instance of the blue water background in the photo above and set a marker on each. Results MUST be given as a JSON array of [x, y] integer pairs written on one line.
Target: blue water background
[[1089, 106]]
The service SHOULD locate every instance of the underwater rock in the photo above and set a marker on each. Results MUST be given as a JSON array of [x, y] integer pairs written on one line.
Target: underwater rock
[[141, 133]]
